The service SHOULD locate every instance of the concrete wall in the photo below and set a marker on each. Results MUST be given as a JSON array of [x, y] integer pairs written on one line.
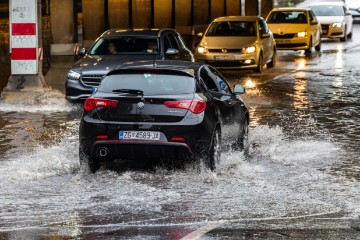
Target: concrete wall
[[189, 16]]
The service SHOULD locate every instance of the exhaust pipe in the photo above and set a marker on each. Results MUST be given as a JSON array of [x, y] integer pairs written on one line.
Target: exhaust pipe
[[103, 152]]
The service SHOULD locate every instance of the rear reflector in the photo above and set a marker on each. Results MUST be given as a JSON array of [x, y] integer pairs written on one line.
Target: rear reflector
[[101, 137], [177, 139], [196, 106], [92, 103]]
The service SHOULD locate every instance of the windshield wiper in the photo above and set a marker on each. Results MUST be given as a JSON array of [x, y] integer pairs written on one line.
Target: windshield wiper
[[130, 91]]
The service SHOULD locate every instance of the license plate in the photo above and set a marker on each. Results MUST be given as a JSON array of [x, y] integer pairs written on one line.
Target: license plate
[[139, 135], [222, 58], [283, 41]]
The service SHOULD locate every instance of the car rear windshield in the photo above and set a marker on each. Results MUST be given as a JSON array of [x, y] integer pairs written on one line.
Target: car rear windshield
[[232, 28], [287, 17], [149, 82], [125, 45]]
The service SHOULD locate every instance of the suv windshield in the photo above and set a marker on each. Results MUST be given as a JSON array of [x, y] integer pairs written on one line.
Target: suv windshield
[[232, 28], [149, 82], [328, 10], [125, 45]]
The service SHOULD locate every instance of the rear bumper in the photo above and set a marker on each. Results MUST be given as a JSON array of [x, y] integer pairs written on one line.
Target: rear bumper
[[135, 149]]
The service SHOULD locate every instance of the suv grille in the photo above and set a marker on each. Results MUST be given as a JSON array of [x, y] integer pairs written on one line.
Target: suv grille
[[92, 80], [324, 26]]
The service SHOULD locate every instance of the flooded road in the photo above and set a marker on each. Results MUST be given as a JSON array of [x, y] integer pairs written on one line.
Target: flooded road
[[301, 181]]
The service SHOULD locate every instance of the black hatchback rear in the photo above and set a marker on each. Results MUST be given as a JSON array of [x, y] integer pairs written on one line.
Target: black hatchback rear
[[161, 110]]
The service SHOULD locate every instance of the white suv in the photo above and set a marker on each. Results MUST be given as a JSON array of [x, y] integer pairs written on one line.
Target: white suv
[[335, 19]]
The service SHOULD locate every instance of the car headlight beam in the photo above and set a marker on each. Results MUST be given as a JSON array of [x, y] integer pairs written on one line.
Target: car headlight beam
[[301, 34], [337, 25], [202, 50], [73, 75], [250, 49]]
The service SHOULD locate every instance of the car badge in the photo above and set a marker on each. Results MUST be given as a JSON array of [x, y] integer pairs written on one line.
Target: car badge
[[140, 105], [224, 50]]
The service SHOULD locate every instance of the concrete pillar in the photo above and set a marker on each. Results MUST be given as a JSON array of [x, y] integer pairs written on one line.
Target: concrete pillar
[[93, 20], [118, 13], [142, 13], [233, 7], [217, 9], [251, 7], [162, 14], [62, 21], [266, 7]]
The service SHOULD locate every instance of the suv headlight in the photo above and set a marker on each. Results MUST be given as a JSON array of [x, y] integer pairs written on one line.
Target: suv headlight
[[250, 49], [301, 34], [73, 75], [337, 25]]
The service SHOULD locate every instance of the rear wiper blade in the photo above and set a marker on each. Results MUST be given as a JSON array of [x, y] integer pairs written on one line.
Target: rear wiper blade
[[131, 91]]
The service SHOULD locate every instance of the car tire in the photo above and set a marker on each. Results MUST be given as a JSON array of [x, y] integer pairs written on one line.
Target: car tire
[[260, 64], [344, 39], [310, 47], [88, 161], [242, 143], [214, 155], [272, 63], [318, 47]]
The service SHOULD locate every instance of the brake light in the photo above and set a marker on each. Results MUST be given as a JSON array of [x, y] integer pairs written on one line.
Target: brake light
[[92, 103], [195, 106]]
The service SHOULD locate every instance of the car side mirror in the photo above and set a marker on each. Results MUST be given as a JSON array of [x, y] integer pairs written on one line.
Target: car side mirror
[[358, 10], [348, 13], [314, 22], [171, 51], [200, 34], [265, 35], [239, 89], [81, 52]]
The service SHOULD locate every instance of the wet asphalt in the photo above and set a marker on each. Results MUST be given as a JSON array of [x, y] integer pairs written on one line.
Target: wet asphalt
[[300, 182]]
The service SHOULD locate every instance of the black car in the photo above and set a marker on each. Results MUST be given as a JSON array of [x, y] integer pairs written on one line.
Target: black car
[[117, 46], [162, 110]]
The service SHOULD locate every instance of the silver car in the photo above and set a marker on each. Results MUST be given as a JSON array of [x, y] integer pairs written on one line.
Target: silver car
[[237, 42]]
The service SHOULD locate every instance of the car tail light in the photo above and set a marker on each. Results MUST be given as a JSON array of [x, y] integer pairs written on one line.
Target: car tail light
[[92, 103], [196, 106]]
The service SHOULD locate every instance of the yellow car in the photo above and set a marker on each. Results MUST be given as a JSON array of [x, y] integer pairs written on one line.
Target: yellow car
[[237, 42], [295, 29]]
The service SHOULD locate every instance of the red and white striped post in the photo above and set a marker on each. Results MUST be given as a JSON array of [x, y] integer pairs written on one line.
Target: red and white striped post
[[23, 37], [26, 60]]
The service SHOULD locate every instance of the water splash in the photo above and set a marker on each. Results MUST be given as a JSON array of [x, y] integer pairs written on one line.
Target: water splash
[[47, 102]]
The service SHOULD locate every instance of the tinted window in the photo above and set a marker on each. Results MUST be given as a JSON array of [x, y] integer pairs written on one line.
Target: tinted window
[[172, 41], [208, 79], [180, 41], [312, 15], [125, 45], [219, 80], [149, 83], [263, 27], [232, 28]]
